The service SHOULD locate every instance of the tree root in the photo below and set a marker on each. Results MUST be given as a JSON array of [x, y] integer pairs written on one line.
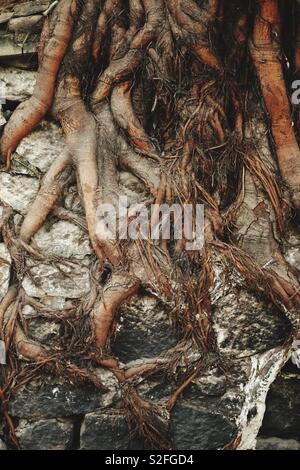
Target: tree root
[[29, 114], [123, 113], [49, 192], [118, 289], [120, 68], [146, 421], [266, 56]]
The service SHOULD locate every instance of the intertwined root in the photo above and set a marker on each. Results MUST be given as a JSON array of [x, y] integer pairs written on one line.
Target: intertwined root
[[146, 88]]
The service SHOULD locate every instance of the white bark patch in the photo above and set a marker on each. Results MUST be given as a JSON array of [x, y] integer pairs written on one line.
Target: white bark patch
[[295, 357], [264, 370]]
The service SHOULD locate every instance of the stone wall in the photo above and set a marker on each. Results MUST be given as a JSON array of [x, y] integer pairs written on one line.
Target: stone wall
[[221, 406], [281, 424]]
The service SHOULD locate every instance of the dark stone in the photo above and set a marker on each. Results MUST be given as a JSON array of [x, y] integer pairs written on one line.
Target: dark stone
[[210, 386], [258, 326], [274, 443], [282, 416], [218, 393], [144, 330], [158, 391], [49, 434], [196, 428], [103, 431], [28, 62], [205, 389], [57, 400]]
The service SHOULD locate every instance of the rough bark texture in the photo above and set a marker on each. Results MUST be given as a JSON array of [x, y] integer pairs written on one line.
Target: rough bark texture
[[128, 344]]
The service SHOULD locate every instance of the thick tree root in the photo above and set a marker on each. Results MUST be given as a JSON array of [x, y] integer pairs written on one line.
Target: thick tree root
[[118, 289], [5, 303], [29, 114], [50, 190], [28, 349], [266, 55]]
